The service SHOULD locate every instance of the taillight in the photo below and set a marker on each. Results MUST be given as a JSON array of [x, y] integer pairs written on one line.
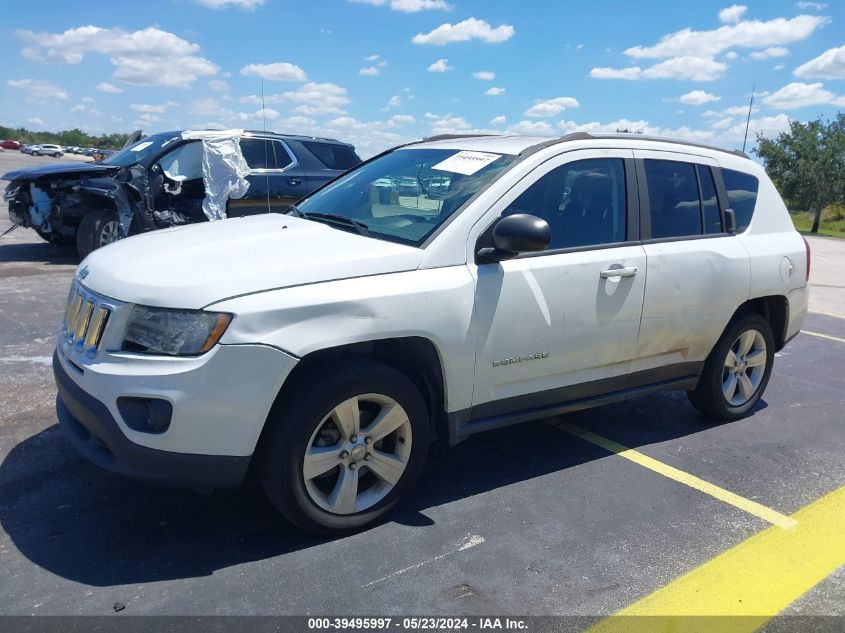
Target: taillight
[[807, 248]]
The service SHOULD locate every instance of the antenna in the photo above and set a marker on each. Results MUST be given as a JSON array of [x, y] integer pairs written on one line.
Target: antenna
[[266, 145], [748, 120]]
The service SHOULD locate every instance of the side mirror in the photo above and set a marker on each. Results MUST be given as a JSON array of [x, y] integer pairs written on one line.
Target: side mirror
[[730, 221], [515, 234]]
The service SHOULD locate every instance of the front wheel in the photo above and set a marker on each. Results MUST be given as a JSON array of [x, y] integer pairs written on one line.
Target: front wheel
[[738, 369], [345, 447], [36, 153], [96, 229]]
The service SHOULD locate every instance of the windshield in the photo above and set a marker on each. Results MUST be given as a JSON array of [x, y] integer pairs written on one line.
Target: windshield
[[406, 194], [139, 152]]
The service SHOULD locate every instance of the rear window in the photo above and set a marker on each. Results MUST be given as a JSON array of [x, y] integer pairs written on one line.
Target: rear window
[[742, 195], [333, 156]]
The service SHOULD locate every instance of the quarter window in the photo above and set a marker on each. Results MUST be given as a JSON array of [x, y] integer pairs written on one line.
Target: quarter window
[[583, 202], [742, 195]]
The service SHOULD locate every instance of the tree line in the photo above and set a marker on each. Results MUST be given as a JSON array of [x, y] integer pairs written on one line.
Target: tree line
[[72, 138]]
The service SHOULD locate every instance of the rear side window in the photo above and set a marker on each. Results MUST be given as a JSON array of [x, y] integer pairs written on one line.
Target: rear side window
[[742, 195], [333, 156], [673, 199], [261, 153], [709, 201]]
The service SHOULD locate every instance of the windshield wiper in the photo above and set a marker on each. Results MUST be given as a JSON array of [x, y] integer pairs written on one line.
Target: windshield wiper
[[294, 211], [335, 218]]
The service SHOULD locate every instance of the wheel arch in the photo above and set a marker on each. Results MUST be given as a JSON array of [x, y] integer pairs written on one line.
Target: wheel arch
[[773, 308], [414, 356]]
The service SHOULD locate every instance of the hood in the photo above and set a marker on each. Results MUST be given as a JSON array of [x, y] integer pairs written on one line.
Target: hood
[[195, 265], [82, 170]]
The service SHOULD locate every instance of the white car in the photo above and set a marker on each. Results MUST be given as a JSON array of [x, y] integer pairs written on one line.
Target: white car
[[329, 346], [46, 149]]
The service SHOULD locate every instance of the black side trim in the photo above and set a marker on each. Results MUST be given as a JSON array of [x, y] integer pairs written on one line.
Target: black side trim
[[90, 427], [497, 414]]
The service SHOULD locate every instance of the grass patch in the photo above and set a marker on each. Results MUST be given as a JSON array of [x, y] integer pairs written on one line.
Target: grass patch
[[832, 223]]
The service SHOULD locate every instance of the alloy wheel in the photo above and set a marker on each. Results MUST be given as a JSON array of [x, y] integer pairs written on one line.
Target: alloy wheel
[[109, 233], [744, 367], [357, 454]]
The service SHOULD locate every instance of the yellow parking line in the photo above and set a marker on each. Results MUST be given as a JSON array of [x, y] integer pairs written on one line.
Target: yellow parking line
[[752, 507], [748, 584], [827, 336], [830, 314]]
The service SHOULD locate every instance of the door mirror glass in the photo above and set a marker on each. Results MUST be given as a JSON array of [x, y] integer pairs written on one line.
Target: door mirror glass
[[515, 234]]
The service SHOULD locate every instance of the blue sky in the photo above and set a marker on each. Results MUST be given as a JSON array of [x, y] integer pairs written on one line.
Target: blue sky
[[379, 72]]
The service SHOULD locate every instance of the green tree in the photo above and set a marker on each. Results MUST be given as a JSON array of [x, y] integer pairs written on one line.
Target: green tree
[[807, 164]]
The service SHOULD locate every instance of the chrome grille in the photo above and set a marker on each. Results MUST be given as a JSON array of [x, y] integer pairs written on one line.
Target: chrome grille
[[86, 318]]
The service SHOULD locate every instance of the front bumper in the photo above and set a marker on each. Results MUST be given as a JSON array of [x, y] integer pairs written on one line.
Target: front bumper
[[95, 433]]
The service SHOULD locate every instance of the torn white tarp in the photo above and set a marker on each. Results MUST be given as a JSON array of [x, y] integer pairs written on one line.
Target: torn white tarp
[[224, 169]]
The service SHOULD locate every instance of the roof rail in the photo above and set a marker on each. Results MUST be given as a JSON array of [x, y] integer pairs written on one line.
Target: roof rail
[[588, 136], [449, 137]]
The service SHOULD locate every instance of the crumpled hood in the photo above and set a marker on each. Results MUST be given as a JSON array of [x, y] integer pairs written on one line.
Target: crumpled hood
[[195, 265], [82, 170]]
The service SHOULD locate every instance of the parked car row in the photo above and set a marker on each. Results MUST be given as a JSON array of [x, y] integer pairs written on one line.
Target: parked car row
[[161, 180], [44, 149]]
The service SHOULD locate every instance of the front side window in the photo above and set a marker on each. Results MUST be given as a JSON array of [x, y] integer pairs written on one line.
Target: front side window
[[184, 162], [674, 206], [742, 195], [583, 201], [404, 196]]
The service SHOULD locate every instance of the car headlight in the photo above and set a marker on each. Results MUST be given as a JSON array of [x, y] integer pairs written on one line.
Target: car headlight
[[173, 332]]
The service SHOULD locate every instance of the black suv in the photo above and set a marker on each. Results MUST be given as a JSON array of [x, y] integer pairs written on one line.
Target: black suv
[[134, 190]]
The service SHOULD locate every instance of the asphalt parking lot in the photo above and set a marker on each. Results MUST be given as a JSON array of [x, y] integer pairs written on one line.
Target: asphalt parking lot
[[542, 518]]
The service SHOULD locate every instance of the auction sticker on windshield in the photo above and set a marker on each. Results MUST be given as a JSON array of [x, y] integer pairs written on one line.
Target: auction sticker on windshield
[[466, 163]]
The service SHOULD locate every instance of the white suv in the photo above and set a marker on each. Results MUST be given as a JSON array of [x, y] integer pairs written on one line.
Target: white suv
[[47, 149], [518, 278]]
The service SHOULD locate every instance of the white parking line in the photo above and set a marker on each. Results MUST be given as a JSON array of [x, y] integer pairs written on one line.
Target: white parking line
[[827, 336]]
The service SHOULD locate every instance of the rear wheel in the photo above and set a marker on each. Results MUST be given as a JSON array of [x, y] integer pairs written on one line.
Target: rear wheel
[[344, 448], [738, 369], [96, 229]]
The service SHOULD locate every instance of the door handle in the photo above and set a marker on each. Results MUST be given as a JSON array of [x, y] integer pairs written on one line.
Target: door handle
[[294, 180], [628, 271]]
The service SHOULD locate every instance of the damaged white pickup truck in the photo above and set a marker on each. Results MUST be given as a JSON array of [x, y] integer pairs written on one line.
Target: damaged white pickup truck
[[170, 179]]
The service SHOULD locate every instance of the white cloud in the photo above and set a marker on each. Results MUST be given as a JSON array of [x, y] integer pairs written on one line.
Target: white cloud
[[78, 108], [440, 66], [394, 102], [800, 95], [818, 6], [277, 71], [484, 75], [409, 6], [314, 99], [38, 89], [698, 97], [107, 87], [220, 4], [148, 57], [145, 107], [499, 120], [721, 124], [731, 55], [398, 120], [210, 108], [35, 121], [551, 107], [694, 68], [369, 71], [828, 65], [770, 53], [531, 128], [778, 67], [768, 126], [296, 124], [218, 85], [265, 113], [746, 34], [495, 91], [732, 14], [469, 29], [640, 125], [88, 99], [372, 58]]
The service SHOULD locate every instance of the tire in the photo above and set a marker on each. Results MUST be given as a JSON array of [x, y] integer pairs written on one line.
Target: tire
[[748, 336], [308, 418], [36, 153], [96, 229]]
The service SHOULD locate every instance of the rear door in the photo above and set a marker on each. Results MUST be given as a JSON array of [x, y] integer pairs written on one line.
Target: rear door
[[697, 274], [276, 178]]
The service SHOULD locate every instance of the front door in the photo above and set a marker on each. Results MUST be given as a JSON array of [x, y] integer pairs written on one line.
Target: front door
[[562, 324]]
